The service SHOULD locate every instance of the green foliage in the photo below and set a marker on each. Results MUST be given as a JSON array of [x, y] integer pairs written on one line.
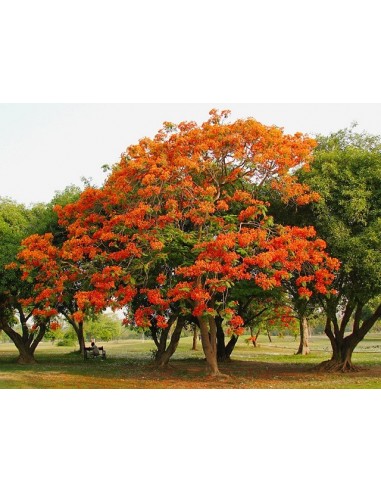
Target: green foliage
[[66, 342], [106, 327], [347, 174], [68, 337], [54, 335], [349, 138], [316, 323], [44, 218], [15, 224]]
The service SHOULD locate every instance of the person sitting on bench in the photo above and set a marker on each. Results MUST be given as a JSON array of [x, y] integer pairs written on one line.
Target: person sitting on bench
[[95, 349]]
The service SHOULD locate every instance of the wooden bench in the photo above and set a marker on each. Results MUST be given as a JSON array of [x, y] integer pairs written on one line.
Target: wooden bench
[[88, 353]]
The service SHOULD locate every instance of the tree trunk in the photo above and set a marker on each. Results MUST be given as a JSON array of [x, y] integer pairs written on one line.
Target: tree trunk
[[163, 360], [25, 353], [230, 346], [220, 338], [38, 338], [209, 346], [25, 356], [346, 356], [78, 328], [161, 343], [304, 348], [341, 360], [343, 347], [154, 332], [254, 338], [194, 342], [224, 351]]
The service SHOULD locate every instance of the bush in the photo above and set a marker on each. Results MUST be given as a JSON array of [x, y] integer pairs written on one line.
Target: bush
[[69, 338], [66, 342]]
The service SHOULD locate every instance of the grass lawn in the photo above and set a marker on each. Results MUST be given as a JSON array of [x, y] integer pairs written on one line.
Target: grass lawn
[[129, 365]]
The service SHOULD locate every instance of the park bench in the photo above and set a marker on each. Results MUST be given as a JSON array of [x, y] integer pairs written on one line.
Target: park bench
[[88, 353]]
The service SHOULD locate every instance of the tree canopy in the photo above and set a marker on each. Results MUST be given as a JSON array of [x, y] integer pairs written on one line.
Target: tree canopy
[[347, 173], [179, 222], [18, 302]]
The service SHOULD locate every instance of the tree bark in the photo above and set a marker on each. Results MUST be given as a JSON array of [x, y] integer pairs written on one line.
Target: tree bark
[[304, 348], [161, 343], [25, 353], [208, 347], [220, 337], [254, 338], [341, 360], [344, 346], [230, 346], [194, 341], [224, 351], [81, 337], [154, 332], [38, 338], [78, 328], [163, 360], [67, 312]]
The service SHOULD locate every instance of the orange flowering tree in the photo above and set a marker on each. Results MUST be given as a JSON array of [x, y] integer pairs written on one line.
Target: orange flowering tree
[[184, 209], [20, 317], [49, 282], [251, 255], [53, 282]]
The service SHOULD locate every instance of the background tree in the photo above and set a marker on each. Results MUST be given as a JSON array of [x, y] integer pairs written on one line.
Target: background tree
[[304, 307], [346, 173], [105, 327], [16, 222]]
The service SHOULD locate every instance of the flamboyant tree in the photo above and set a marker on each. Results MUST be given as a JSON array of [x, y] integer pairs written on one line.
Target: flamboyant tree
[[55, 282], [36, 270], [17, 320], [185, 208]]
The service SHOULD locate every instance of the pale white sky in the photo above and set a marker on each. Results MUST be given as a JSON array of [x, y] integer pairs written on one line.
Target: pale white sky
[[45, 147]]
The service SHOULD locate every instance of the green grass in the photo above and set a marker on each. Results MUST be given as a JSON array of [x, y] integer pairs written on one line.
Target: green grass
[[129, 365]]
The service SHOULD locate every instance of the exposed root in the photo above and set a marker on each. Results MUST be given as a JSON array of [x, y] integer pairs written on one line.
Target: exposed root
[[219, 375], [336, 366], [164, 367], [25, 362]]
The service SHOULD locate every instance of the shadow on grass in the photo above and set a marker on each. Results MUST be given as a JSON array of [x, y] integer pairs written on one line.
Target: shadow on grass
[[136, 371]]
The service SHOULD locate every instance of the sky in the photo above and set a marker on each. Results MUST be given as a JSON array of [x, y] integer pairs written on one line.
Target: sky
[[45, 147]]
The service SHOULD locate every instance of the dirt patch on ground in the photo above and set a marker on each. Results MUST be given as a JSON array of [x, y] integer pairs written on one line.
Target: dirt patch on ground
[[187, 374], [252, 375]]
